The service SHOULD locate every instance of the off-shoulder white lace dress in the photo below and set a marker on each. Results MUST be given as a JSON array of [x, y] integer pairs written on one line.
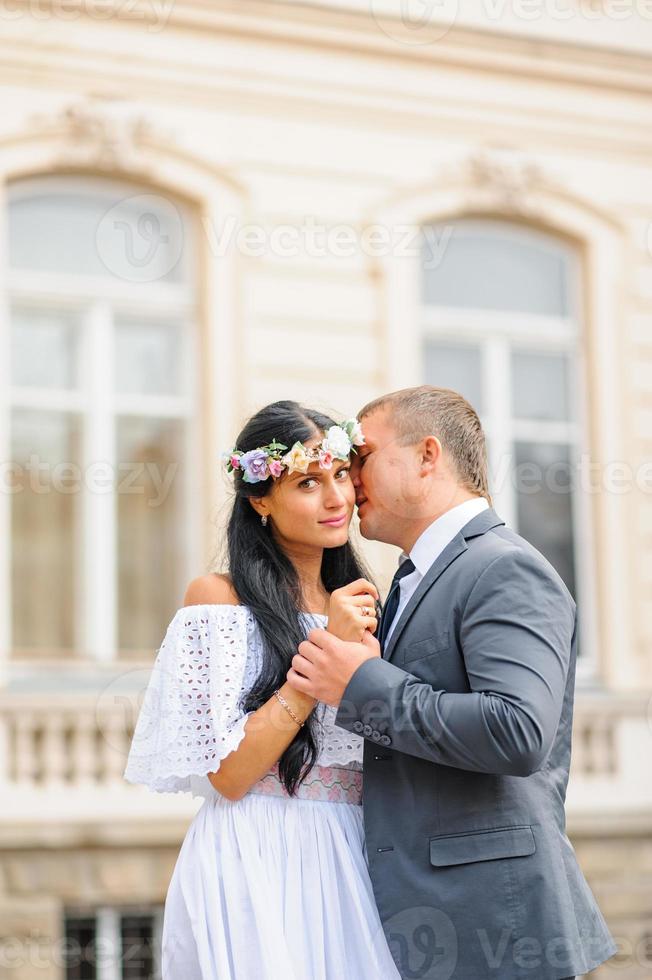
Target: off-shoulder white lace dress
[[267, 887]]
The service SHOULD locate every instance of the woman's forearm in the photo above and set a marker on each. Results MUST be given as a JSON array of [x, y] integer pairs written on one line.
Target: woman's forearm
[[268, 733]]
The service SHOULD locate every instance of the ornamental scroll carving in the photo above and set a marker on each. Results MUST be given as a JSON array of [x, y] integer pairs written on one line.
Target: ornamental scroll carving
[[502, 181], [95, 135]]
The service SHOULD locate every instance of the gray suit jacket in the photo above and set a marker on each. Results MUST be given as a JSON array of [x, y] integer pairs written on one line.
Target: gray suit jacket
[[467, 725]]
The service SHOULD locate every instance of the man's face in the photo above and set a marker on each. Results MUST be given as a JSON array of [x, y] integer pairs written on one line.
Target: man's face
[[386, 476]]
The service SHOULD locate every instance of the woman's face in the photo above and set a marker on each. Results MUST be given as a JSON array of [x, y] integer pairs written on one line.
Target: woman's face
[[312, 509]]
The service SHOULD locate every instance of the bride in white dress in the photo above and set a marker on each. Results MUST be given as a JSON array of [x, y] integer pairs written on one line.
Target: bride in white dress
[[271, 882]]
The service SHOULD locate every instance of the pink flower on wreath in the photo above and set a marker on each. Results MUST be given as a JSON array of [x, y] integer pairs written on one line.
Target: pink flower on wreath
[[325, 459], [275, 468], [235, 462]]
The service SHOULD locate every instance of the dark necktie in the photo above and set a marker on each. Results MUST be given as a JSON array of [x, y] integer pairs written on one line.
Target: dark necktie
[[393, 599]]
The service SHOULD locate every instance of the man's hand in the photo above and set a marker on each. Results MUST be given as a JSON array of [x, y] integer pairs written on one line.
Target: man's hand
[[324, 664]]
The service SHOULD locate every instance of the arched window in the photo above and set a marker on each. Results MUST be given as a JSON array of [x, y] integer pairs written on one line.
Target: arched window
[[103, 331], [500, 323]]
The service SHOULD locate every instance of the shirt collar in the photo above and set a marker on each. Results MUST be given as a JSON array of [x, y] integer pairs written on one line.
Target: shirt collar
[[430, 544]]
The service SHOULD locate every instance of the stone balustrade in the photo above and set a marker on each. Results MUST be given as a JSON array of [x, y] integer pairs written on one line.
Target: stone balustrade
[[62, 756]]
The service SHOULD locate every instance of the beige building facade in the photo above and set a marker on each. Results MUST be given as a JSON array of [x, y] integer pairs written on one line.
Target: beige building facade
[[207, 206]]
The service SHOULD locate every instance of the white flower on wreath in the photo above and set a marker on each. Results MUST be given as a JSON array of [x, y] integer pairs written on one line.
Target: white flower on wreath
[[297, 460], [354, 429], [337, 442]]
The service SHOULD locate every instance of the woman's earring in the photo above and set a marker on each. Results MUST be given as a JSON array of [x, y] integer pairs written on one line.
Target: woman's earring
[[263, 520]]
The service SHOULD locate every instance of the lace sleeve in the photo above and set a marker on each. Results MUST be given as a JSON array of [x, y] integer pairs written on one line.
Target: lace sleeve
[[190, 719]]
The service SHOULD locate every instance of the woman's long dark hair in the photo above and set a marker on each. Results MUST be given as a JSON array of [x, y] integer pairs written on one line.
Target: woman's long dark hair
[[265, 579]]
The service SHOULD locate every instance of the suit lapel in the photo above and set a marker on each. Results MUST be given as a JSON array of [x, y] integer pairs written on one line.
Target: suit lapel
[[448, 555], [479, 524]]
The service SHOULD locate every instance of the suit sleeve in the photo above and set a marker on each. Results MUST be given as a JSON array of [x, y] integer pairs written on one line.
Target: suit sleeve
[[516, 634]]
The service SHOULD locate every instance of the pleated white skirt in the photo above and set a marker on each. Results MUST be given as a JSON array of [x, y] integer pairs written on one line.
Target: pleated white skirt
[[272, 888]]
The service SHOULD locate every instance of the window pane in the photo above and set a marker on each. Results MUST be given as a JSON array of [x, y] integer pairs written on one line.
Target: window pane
[[541, 386], [45, 527], [455, 366], [494, 266], [44, 349], [86, 227], [148, 357], [79, 950], [150, 528], [137, 947], [544, 504]]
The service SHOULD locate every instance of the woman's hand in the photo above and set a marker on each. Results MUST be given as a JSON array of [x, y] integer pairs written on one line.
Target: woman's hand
[[352, 610]]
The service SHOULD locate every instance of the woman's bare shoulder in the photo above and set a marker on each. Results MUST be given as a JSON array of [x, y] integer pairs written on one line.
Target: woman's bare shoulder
[[212, 589]]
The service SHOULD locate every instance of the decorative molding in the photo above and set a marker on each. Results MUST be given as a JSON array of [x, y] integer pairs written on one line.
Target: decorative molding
[[491, 180], [505, 181], [96, 137]]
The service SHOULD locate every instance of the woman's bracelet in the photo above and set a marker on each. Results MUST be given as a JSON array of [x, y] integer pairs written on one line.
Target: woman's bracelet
[[287, 707]]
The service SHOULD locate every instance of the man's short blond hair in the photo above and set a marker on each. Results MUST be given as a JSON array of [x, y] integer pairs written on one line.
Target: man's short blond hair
[[428, 411]]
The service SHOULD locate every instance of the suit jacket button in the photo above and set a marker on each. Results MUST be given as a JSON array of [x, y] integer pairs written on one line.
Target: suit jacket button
[[375, 735], [357, 726], [385, 740], [366, 731]]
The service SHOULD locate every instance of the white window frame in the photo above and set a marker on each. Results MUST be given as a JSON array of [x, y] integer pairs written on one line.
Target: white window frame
[[497, 335], [601, 245], [99, 301], [108, 941]]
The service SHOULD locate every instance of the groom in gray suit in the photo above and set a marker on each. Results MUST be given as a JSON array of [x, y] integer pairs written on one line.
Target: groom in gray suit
[[466, 710]]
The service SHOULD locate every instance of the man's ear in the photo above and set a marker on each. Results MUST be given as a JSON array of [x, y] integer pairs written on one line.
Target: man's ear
[[431, 451]]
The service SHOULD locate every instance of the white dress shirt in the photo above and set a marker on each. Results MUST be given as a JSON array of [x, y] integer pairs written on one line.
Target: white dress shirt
[[429, 546]]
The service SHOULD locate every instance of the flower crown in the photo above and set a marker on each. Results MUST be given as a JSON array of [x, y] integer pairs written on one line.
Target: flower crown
[[259, 464]]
